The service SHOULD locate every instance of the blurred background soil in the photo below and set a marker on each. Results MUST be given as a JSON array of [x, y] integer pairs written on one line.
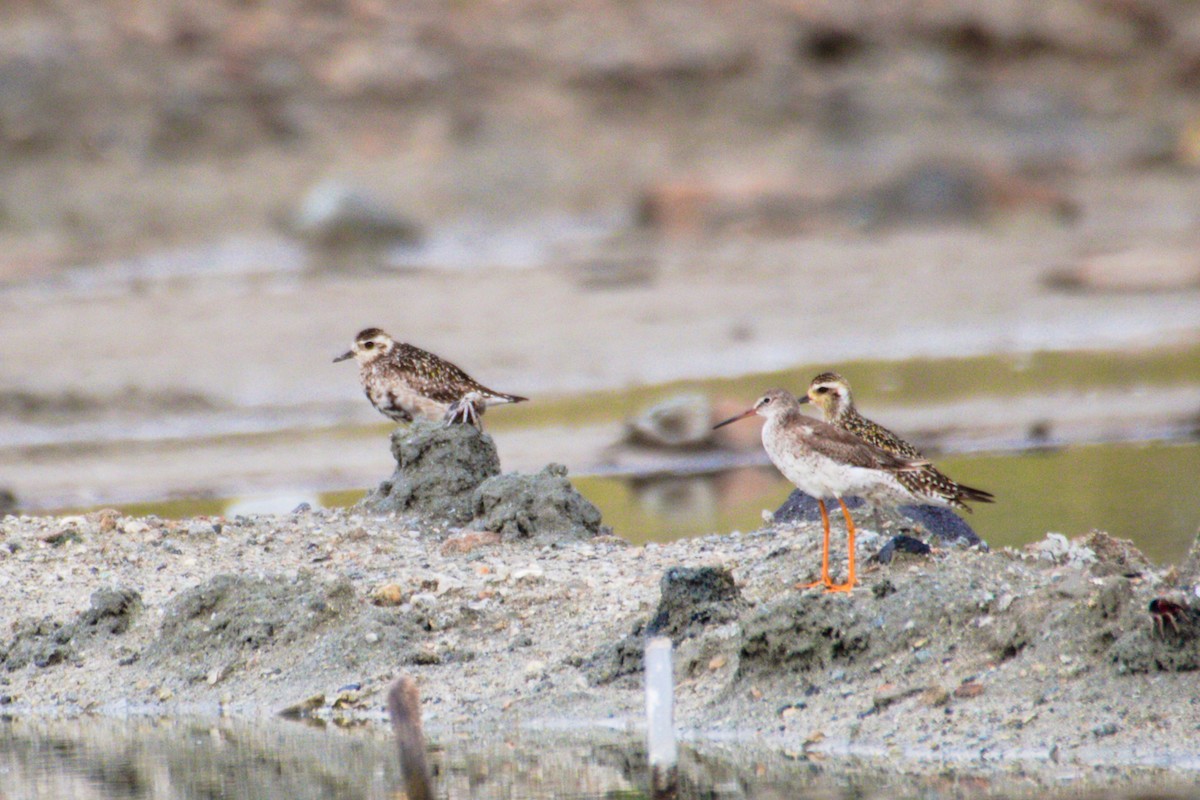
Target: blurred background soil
[[202, 202]]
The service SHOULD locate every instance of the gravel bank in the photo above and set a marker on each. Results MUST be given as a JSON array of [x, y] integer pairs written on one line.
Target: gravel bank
[[1043, 658]]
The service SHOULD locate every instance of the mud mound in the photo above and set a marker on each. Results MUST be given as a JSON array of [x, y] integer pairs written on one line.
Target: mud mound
[[438, 469], [42, 642], [223, 620], [951, 606], [1115, 556], [692, 599], [1169, 642], [541, 505], [45, 642]]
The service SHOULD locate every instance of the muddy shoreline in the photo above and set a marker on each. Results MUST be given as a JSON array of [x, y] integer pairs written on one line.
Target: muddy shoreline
[[513, 608]]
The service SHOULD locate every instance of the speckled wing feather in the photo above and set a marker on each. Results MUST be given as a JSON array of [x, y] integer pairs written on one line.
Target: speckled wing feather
[[931, 482], [928, 481], [845, 447], [878, 435], [440, 380]]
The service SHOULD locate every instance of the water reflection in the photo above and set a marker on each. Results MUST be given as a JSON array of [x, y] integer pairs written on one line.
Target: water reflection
[[109, 759], [1142, 492]]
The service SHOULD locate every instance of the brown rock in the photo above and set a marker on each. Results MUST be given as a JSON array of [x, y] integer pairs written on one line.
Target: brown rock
[[935, 696], [969, 689], [387, 595], [105, 519], [467, 541]]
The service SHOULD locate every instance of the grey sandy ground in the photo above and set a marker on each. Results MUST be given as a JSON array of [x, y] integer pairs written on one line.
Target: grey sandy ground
[[1046, 659]]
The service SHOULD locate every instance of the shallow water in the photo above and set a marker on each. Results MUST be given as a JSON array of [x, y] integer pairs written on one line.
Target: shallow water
[[1144, 492], [1139, 491], [111, 759]]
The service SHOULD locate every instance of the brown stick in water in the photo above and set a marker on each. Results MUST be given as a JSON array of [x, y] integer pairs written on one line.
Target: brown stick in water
[[404, 707]]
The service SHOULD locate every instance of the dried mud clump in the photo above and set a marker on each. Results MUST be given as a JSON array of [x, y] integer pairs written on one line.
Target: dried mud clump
[[230, 616], [806, 631], [1169, 641], [438, 469], [111, 612], [45, 642], [1115, 556], [535, 506], [42, 642]]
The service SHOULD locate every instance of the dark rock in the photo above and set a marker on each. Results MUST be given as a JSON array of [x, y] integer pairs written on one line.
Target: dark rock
[[438, 469], [59, 538], [8, 502], [111, 612], [901, 544], [693, 598], [541, 505], [801, 507], [942, 524]]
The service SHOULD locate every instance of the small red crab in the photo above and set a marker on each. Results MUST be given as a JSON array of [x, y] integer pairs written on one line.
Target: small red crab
[[1164, 612]]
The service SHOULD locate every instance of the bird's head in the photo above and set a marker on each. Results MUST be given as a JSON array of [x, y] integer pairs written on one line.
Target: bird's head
[[772, 404], [829, 392], [369, 345]]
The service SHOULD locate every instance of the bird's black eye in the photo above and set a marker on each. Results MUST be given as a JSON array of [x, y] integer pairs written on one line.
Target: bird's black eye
[[822, 390], [368, 345]]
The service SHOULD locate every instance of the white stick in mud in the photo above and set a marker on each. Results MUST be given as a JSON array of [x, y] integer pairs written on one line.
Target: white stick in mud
[[660, 714]]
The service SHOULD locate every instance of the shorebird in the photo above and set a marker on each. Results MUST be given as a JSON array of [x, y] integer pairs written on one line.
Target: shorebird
[[404, 382], [831, 393], [829, 464]]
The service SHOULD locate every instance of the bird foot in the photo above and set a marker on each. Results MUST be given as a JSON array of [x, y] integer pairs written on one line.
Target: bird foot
[[803, 587], [466, 410], [840, 587]]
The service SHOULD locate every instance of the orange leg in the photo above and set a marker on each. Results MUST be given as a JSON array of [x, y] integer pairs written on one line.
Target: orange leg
[[825, 581], [851, 579]]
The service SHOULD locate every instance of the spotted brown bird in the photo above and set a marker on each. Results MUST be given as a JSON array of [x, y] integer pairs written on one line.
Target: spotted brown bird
[[830, 392], [404, 382], [829, 464]]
